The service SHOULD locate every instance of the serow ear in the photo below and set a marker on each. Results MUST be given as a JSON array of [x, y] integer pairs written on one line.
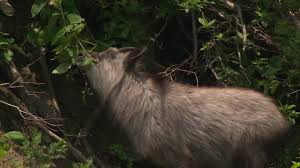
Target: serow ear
[[132, 53]]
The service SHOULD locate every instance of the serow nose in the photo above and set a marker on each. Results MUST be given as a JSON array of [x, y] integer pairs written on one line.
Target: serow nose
[[80, 58], [80, 54]]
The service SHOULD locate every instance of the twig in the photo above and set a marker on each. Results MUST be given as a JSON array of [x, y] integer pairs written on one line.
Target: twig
[[296, 91], [239, 11], [194, 73], [15, 73], [181, 26], [45, 72], [154, 39], [12, 85], [244, 30], [262, 35], [172, 69], [33, 62], [5, 84], [194, 31], [228, 3], [37, 121], [16, 107], [30, 117], [244, 42], [216, 76]]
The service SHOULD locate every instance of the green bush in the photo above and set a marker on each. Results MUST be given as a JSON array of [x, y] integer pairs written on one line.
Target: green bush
[[252, 44]]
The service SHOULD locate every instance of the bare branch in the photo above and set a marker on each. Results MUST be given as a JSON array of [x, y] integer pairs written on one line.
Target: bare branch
[[33, 62], [169, 71], [195, 42], [45, 71], [228, 3], [156, 35], [296, 21], [244, 30], [41, 124]]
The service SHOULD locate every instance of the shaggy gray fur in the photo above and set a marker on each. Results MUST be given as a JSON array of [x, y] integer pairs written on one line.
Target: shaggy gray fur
[[178, 125]]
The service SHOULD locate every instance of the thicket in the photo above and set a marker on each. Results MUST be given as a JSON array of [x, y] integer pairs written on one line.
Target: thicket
[[45, 100]]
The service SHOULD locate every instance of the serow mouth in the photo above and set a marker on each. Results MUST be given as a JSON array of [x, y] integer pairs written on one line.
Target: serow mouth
[[85, 60]]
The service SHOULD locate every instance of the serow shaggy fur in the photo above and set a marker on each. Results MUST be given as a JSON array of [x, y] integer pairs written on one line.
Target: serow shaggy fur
[[177, 125]]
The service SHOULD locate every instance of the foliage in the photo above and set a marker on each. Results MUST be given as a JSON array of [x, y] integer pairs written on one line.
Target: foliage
[[4, 148], [36, 154], [189, 5], [290, 112], [59, 26], [8, 46], [120, 25], [252, 44], [295, 164], [124, 158], [87, 164]]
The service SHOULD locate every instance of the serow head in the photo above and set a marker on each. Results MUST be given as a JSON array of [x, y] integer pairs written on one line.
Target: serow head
[[111, 58]]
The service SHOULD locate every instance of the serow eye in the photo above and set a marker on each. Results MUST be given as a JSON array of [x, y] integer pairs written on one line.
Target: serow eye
[[110, 54], [106, 54]]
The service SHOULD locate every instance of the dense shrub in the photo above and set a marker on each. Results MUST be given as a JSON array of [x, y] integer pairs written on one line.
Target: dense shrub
[[253, 44]]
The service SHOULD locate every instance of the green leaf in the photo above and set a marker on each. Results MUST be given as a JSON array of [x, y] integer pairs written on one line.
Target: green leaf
[[203, 21], [206, 46], [5, 146], [220, 36], [295, 164], [37, 138], [240, 35], [15, 136], [61, 32], [4, 34], [62, 68], [274, 86], [78, 27], [291, 106], [3, 43], [88, 62], [3, 153], [210, 23], [37, 6], [6, 41], [74, 18], [8, 54]]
